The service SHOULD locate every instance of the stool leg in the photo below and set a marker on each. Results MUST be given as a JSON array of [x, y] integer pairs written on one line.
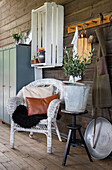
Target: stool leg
[[69, 142], [80, 133], [67, 147]]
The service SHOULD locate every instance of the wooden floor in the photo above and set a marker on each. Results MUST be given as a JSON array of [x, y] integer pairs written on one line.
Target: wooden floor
[[30, 154]]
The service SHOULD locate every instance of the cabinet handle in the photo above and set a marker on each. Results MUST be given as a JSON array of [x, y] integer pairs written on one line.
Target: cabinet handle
[[9, 86], [3, 86]]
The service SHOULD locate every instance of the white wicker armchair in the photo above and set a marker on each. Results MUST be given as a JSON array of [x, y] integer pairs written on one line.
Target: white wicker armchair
[[44, 126]]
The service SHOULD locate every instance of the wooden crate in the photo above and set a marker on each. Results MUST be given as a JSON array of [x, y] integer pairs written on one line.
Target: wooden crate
[[47, 32]]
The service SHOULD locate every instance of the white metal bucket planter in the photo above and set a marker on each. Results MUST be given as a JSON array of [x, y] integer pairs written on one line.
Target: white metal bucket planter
[[76, 95]]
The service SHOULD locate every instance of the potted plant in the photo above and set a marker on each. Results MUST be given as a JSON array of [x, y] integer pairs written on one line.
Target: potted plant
[[75, 94], [17, 37]]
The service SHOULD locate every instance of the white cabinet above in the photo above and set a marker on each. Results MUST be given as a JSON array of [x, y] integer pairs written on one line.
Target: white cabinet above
[[47, 33]]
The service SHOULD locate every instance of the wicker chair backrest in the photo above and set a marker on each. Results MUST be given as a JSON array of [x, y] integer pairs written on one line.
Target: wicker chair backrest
[[57, 84]]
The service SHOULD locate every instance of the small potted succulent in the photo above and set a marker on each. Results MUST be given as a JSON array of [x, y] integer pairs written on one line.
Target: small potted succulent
[[75, 94], [17, 37]]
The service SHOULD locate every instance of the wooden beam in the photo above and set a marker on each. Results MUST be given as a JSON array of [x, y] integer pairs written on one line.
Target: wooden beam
[[90, 24]]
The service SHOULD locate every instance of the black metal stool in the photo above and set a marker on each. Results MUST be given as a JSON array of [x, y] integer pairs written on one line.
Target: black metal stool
[[70, 142]]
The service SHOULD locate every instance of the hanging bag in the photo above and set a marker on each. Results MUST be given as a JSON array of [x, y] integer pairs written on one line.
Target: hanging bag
[[101, 91]]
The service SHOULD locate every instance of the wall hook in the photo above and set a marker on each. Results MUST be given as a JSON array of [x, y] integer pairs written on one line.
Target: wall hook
[[101, 17], [110, 18]]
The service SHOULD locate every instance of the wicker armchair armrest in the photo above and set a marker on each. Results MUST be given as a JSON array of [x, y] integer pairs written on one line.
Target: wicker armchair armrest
[[13, 102], [53, 108]]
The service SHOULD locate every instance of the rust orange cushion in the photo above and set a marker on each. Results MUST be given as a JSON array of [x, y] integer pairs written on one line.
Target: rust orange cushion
[[39, 105]]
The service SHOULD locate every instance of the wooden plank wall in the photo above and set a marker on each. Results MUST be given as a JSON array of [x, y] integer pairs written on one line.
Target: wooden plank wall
[[16, 14]]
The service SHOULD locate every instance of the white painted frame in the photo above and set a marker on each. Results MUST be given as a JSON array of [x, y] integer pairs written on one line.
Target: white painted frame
[[48, 21]]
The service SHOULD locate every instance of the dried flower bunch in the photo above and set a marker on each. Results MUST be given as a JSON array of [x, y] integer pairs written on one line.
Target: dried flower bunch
[[41, 49], [76, 65]]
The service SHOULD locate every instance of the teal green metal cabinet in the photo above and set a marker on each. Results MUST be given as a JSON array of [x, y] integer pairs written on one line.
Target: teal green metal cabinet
[[15, 72]]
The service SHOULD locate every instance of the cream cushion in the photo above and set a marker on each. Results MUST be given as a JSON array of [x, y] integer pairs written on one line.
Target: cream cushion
[[37, 92]]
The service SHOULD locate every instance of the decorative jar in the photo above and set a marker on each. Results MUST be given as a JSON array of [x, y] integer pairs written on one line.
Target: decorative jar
[[41, 55]]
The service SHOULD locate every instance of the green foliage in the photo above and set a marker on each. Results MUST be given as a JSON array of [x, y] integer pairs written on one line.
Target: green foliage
[[17, 36], [76, 65], [84, 25]]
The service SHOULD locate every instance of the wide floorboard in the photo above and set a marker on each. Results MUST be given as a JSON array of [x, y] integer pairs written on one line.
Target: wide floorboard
[[30, 154]]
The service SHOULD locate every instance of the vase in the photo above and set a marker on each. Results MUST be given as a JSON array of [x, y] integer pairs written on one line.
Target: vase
[[41, 56], [16, 41]]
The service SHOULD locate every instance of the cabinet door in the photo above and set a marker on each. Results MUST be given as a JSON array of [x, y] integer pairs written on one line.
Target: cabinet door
[[1, 85], [25, 74], [6, 84], [12, 66]]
